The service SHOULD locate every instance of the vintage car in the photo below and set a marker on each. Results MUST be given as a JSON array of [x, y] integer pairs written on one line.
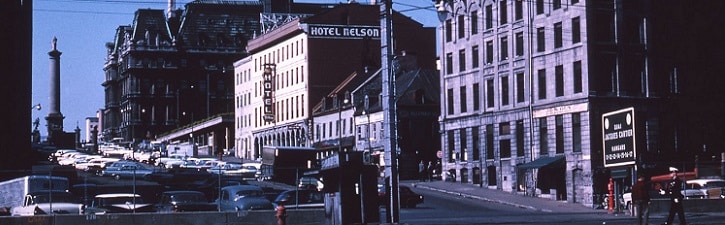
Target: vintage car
[[127, 169], [184, 201], [243, 197], [304, 198], [41, 203], [118, 203]]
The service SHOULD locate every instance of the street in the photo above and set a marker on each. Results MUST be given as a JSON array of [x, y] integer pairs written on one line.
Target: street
[[444, 208]]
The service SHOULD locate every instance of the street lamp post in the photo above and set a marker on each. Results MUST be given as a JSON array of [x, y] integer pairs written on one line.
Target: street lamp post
[[339, 120]]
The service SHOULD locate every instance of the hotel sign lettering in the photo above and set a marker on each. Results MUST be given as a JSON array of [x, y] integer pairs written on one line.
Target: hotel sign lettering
[[342, 31], [268, 93], [619, 138]]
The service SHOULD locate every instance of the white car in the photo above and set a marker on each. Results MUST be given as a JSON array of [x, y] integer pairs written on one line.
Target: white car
[[707, 188], [95, 163]]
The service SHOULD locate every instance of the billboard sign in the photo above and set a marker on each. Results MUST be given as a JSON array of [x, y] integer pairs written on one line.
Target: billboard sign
[[619, 138], [342, 31]]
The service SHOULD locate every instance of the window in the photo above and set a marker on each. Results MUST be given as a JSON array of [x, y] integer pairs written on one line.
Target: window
[[461, 60], [559, 134], [474, 56], [502, 19], [543, 137], [463, 99], [504, 129], [520, 44], [577, 79], [489, 52], [574, 2], [449, 32], [476, 144], [489, 17], [539, 7], [461, 26], [520, 138], [542, 84], [489, 142], [559, 74], [520, 87], [576, 132], [540, 39], [489, 93], [449, 63], [505, 148], [518, 9], [504, 48], [463, 140], [557, 35], [504, 90], [449, 95], [474, 22], [556, 4], [575, 30], [476, 97]]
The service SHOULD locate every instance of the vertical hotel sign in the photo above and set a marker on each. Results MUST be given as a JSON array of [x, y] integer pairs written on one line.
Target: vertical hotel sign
[[619, 141], [268, 92]]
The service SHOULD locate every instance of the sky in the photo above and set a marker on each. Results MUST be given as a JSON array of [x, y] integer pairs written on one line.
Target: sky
[[83, 27]]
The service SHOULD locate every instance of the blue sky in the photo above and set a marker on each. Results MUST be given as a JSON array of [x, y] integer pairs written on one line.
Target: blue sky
[[83, 27]]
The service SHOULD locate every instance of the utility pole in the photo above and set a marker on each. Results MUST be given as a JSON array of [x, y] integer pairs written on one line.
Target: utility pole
[[389, 109]]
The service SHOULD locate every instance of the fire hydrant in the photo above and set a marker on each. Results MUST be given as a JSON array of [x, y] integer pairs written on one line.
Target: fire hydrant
[[281, 214]]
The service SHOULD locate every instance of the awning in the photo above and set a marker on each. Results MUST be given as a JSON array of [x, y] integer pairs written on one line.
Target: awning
[[542, 162]]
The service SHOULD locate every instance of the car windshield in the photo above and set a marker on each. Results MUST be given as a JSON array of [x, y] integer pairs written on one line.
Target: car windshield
[[249, 193]]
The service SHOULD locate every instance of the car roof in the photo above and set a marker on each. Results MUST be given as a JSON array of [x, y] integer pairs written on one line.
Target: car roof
[[118, 195]]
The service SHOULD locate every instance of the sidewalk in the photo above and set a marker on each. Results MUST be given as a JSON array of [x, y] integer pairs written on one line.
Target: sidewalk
[[506, 198]]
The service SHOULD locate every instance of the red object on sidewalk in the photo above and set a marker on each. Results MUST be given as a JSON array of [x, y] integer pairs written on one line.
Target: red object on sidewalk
[[281, 214]]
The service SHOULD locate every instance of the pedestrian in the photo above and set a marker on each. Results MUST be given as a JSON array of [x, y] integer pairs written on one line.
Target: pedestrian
[[674, 190], [421, 171], [641, 199]]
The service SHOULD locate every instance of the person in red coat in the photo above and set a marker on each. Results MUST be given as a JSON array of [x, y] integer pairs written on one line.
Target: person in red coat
[[641, 200]]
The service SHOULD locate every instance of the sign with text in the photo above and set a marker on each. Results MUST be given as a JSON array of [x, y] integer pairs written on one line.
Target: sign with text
[[268, 92], [343, 31], [619, 138]]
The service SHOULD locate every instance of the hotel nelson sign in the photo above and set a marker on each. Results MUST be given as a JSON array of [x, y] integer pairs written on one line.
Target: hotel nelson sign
[[619, 140], [342, 31], [268, 92]]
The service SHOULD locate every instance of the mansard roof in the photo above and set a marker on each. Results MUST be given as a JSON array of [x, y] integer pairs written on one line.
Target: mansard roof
[[150, 22], [218, 24]]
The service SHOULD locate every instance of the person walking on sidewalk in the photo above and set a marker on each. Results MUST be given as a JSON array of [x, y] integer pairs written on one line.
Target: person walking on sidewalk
[[641, 199], [674, 190]]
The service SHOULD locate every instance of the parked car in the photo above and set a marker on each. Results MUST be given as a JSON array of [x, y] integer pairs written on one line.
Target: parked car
[[127, 169], [41, 203], [94, 163], [118, 203], [310, 182], [710, 188], [408, 198], [243, 197], [184, 201], [301, 199], [176, 176]]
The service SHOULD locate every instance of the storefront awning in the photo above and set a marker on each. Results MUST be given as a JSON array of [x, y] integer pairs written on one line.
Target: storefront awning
[[542, 162]]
